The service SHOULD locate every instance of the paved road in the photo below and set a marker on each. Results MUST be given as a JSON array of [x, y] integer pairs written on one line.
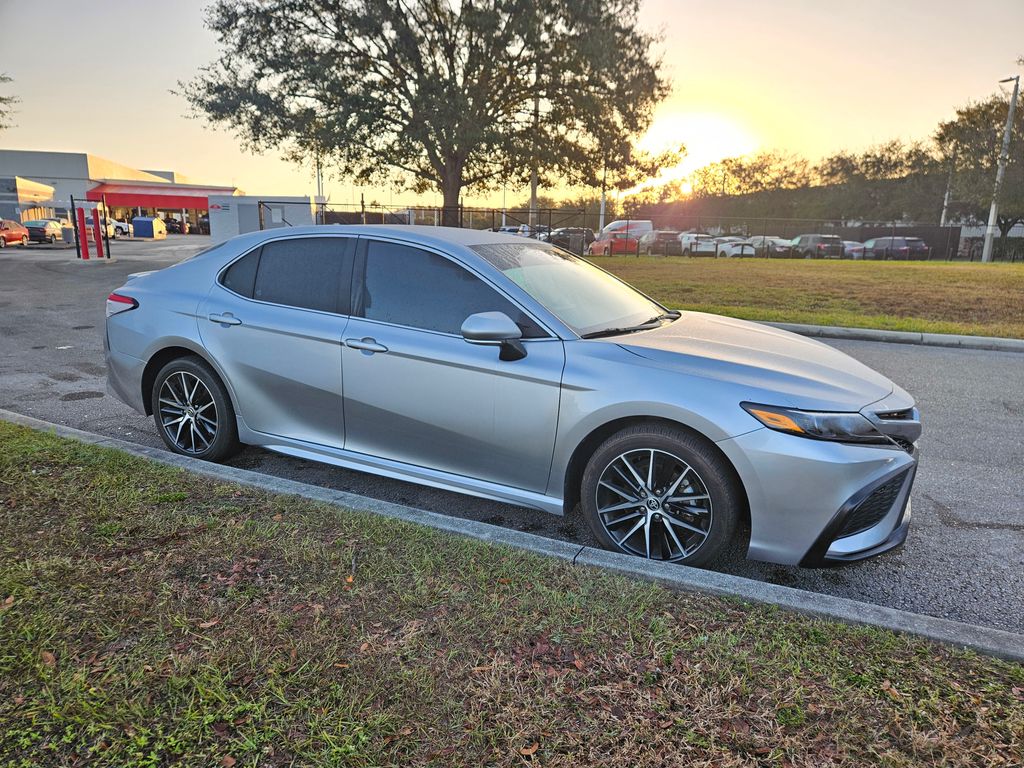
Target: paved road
[[964, 558]]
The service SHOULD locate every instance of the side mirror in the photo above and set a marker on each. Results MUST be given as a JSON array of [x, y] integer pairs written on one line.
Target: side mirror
[[495, 329]]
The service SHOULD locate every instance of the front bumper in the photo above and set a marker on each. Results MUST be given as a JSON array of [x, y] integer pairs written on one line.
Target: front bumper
[[804, 495]]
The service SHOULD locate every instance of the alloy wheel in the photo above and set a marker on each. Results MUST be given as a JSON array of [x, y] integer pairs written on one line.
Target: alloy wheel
[[188, 413], [655, 505]]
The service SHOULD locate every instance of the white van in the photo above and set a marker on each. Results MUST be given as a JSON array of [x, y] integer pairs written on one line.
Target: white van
[[634, 227]]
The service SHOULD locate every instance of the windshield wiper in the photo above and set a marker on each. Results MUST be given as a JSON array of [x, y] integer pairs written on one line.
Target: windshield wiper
[[648, 325]]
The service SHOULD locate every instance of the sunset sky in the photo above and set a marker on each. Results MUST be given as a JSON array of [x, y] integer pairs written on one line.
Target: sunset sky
[[808, 76]]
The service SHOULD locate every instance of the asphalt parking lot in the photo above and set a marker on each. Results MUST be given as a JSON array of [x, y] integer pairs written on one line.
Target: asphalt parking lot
[[964, 558]]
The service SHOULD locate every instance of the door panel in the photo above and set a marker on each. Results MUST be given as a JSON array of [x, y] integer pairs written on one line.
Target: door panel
[[283, 363], [434, 400]]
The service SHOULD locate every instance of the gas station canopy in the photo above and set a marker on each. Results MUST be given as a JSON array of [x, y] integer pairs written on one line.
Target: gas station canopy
[[168, 196]]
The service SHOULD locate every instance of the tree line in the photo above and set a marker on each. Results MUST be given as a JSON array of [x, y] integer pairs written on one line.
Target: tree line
[[891, 182]]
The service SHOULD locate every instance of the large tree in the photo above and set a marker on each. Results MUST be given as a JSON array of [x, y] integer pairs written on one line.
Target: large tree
[[6, 104], [970, 145], [441, 95]]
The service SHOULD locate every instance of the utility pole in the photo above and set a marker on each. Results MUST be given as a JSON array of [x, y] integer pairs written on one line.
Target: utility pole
[[993, 212], [533, 173]]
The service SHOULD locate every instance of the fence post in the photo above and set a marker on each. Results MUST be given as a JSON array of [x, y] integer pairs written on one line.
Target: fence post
[[362, 209], [259, 212], [74, 226]]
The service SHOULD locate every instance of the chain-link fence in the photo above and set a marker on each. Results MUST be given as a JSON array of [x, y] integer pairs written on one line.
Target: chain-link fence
[[576, 228]]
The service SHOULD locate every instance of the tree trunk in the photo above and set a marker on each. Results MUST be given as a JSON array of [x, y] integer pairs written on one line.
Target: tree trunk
[[451, 189]]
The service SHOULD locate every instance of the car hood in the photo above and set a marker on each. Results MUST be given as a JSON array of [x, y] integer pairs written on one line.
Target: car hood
[[794, 370]]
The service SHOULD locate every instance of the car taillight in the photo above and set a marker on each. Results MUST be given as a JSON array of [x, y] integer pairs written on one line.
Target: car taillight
[[116, 303]]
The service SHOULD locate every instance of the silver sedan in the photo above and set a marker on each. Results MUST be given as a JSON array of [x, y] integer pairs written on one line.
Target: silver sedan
[[509, 369]]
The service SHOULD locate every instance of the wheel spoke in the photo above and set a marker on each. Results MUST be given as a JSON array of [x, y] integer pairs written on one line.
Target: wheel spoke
[[650, 478], [687, 526], [625, 518], [678, 499], [621, 493], [672, 533], [634, 529], [177, 435], [617, 507], [675, 484], [633, 472], [628, 482], [647, 529]]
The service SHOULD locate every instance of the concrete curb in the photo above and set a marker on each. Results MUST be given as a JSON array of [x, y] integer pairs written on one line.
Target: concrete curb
[[992, 343], [994, 642]]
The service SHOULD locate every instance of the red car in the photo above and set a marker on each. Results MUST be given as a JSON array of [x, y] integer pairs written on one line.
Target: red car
[[12, 232], [609, 243]]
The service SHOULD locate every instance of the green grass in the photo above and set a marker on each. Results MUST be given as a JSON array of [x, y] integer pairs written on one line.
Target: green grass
[[935, 297], [150, 617]]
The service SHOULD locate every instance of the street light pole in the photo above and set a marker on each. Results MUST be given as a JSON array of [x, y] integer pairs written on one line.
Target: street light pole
[[993, 212]]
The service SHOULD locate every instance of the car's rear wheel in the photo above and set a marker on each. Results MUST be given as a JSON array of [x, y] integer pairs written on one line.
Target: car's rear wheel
[[52, 239], [3, 242], [24, 240], [193, 412], [663, 493]]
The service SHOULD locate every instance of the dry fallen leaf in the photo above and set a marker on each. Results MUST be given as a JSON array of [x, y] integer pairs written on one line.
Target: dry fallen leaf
[[349, 579], [228, 761], [341, 666], [364, 647], [210, 623], [48, 658], [530, 749]]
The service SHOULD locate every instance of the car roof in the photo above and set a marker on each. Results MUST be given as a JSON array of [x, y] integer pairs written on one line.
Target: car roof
[[423, 233]]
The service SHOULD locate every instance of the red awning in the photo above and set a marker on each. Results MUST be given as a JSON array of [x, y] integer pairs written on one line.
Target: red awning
[[172, 196]]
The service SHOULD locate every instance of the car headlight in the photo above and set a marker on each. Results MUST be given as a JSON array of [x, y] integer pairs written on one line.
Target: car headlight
[[818, 425]]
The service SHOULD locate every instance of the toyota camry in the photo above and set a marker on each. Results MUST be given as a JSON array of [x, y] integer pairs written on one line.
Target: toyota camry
[[510, 369]]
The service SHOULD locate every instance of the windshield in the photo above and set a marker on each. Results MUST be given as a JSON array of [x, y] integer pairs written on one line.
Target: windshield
[[585, 298]]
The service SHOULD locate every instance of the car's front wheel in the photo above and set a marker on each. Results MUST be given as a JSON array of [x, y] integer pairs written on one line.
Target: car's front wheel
[[193, 412], [663, 493], [24, 241]]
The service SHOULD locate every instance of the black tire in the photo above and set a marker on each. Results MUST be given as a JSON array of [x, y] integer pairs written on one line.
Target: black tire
[[201, 441], [53, 239], [24, 241], [3, 243], [711, 478]]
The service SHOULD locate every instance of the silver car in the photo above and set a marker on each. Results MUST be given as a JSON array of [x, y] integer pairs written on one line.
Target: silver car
[[506, 368]]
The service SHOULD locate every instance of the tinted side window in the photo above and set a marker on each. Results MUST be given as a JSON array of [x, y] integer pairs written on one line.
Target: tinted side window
[[241, 276], [307, 272], [408, 286]]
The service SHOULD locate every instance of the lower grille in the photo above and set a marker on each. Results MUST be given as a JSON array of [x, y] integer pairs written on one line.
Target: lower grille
[[903, 443], [876, 506]]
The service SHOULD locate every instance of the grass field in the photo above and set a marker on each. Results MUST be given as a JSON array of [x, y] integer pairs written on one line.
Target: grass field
[[937, 297], [149, 617]]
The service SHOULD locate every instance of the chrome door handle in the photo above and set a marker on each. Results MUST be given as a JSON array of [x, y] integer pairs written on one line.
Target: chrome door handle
[[226, 319], [366, 344]]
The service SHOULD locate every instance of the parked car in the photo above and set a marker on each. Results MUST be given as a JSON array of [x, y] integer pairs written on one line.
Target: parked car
[[896, 248], [525, 375], [817, 246], [635, 227], [660, 242], [769, 246], [111, 229], [525, 230], [563, 237], [175, 226], [697, 244], [729, 247], [610, 243], [122, 228], [852, 249], [44, 230], [12, 233]]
